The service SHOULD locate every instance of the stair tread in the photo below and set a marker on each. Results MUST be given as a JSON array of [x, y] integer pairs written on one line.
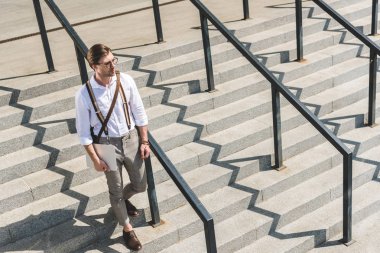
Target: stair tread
[[26, 154], [365, 236]]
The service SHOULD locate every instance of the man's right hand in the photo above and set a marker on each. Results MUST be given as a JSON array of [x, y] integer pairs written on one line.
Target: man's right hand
[[101, 166]]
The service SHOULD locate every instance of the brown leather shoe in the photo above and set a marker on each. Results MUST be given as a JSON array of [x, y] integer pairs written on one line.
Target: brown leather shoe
[[131, 209], [131, 241]]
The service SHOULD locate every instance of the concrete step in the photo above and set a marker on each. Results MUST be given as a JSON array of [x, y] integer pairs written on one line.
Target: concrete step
[[276, 212], [292, 70], [169, 201], [222, 115], [365, 236], [104, 226], [233, 167], [51, 127], [206, 155], [47, 212], [57, 179], [32, 159], [45, 183], [24, 112], [37, 108], [343, 95], [28, 87], [291, 119], [147, 234], [27, 188], [37, 132], [259, 41], [144, 75], [32, 109], [320, 225]]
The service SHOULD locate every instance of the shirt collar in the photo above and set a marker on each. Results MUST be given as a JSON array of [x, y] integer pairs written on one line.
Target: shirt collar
[[95, 84]]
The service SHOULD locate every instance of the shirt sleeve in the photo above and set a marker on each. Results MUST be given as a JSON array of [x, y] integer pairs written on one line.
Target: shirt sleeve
[[136, 104], [82, 119]]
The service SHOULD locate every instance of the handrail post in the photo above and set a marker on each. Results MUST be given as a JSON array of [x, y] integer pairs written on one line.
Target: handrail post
[[372, 88], [207, 52], [246, 9], [43, 33], [299, 30], [81, 65], [152, 194], [347, 198], [210, 236], [157, 20], [374, 17], [277, 128]]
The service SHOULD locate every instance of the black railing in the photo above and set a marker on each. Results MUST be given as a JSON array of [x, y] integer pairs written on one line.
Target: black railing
[[374, 48], [80, 47], [157, 20], [375, 5], [190, 196], [43, 33], [277, 87], [246, 9]]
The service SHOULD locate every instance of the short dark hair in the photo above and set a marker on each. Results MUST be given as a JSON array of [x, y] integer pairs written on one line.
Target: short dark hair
[[96, 52]]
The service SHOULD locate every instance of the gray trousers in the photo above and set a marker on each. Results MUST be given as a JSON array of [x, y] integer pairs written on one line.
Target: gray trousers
[[127, 154]]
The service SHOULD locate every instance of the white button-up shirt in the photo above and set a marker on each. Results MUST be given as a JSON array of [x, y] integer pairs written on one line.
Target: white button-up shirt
[[117, 124]]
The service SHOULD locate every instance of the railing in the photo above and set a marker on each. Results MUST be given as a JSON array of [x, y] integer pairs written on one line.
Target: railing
[[246, 9], [81, 52], [277, 87], [375, 4], [190, 196], [374, 48], [80, 47]]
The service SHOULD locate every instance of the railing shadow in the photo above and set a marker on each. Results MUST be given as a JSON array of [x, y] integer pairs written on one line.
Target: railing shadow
[[19, 76], [319, 235]]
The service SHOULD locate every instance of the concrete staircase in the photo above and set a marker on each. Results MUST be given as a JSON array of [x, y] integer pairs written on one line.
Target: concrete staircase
[[221, 142]]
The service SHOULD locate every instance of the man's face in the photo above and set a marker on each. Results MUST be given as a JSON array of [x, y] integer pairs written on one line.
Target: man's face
[[106, 66]]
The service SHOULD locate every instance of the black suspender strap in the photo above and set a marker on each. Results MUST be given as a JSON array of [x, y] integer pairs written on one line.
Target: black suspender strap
[[124, 99], [94, 103], [100, 116]]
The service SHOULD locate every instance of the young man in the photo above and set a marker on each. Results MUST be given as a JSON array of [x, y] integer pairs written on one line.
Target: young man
[[131, 146]]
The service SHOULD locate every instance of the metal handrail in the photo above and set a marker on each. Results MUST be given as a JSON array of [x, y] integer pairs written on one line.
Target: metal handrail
[[190, 196], [346, 24], [80, 47], [375, 5], [278, 87], [374, 48], [246, 9]]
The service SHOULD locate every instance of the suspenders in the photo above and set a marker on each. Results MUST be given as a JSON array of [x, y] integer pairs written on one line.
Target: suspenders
[[99, 114]]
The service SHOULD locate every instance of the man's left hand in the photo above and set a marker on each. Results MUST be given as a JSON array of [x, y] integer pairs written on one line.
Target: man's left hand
[[144, 151]]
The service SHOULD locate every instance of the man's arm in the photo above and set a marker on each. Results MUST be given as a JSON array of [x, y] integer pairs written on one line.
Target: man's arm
[[144, 143], [83, 130], [140, 117]]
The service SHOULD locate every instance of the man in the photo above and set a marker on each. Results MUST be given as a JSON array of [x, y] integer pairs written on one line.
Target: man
[[131, 146]]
